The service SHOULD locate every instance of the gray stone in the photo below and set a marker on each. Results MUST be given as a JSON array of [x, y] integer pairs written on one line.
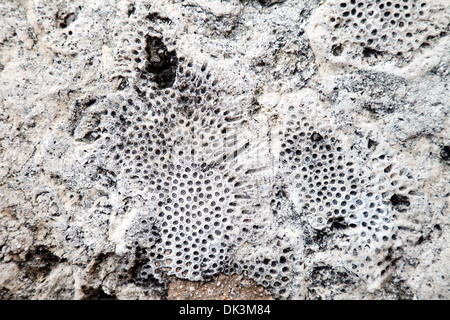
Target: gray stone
[[301, 144]]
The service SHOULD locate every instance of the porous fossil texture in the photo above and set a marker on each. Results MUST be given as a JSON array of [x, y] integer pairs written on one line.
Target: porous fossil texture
[[297, 146]]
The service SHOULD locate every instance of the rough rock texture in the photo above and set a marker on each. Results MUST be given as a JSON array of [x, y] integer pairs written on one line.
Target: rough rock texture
[[302, 147]]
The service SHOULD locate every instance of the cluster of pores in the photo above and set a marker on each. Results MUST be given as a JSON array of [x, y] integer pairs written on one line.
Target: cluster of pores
[[166, 133]]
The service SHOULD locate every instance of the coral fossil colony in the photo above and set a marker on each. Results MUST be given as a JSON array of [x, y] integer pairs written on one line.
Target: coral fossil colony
[[302, 145]]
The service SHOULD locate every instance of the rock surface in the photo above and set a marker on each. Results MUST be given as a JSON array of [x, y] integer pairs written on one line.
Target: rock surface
[[285, 149]]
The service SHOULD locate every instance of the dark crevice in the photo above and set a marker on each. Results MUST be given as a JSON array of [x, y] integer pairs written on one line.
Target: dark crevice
[[369, 52], [269, 3], [337, 223], [96, 294], [64, 19], [39, 262], [154, 16], [131, 10], [161, 63], [445, 153], [371, 143], [400, 202], [316, 137], [336, 50]]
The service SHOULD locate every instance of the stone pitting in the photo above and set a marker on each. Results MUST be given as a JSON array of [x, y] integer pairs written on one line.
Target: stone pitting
[[301, 146]]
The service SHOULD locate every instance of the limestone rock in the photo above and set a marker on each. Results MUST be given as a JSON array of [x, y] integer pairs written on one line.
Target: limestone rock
[[302, 145]]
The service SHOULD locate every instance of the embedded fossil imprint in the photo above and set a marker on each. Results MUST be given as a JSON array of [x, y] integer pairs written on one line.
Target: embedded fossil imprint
[[187, 151], [167, 161]]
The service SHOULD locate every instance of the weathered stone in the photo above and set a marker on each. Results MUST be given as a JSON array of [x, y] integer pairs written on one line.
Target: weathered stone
[[299, 146]]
